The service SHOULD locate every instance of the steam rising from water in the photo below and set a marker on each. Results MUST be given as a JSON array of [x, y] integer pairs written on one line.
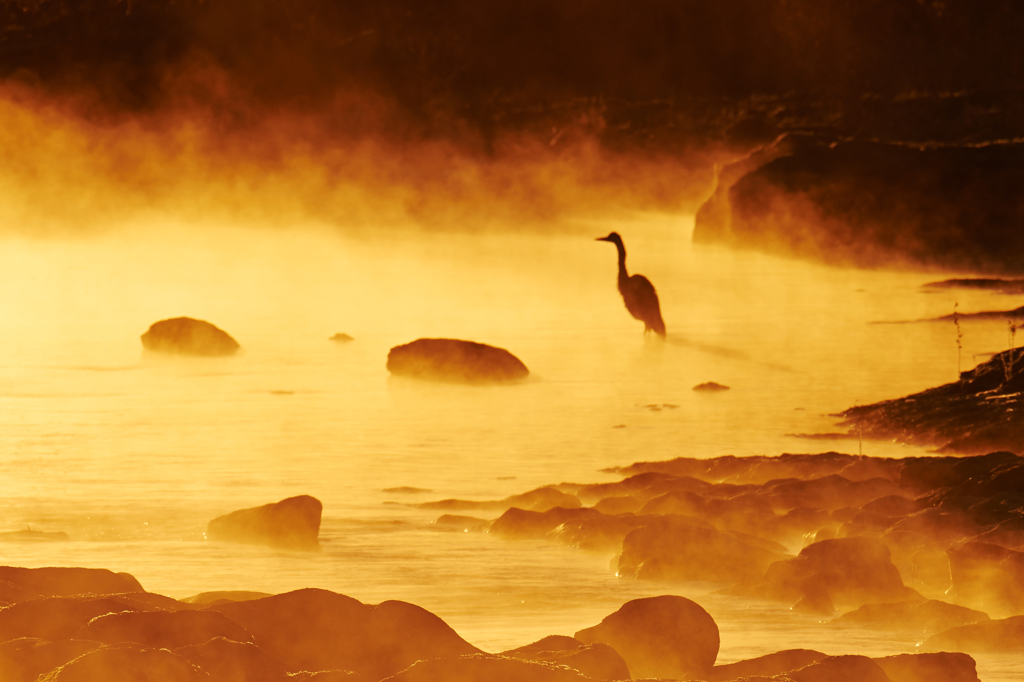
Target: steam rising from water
[[73, 165]]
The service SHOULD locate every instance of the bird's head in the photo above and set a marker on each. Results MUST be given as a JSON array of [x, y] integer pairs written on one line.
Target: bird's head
[[612, 237]]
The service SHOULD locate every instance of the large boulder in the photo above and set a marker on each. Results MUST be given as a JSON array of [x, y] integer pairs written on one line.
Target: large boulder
[[314, 629], [666, 636], [870, 204], [187, 336], [455, 361], [292, 523], [930, 667]]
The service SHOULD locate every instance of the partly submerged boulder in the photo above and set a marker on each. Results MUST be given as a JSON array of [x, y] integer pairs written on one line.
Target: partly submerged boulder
[[666, 636], [871, 203], [455, 361], [189, 337], [931, 667], [292, 523]]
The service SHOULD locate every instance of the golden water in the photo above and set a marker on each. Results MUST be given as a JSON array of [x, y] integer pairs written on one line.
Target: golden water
[[131, 455]]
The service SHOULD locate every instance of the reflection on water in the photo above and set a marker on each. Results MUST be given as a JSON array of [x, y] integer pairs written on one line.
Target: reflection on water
[[131, 455]]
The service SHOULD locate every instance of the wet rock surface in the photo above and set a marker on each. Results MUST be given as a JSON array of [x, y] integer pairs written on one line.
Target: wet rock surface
[[187, 336], [453, 360], [978, 413], [292, 523]]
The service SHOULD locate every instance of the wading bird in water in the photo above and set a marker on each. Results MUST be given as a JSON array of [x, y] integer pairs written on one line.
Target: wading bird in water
[[637, 292]]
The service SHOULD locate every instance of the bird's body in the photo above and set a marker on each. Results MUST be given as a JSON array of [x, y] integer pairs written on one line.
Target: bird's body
[[637, 292]]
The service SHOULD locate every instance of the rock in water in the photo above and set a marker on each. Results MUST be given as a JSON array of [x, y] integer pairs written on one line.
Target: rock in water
[[293, 523], [456, 361], [666, 636], [189, 337]]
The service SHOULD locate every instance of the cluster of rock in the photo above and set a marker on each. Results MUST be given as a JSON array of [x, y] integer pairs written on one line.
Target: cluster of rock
[[871, 203], [76, 624], [922, 544], [978, 413]]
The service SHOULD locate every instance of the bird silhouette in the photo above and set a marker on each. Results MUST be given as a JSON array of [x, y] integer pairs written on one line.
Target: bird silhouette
[[637, 292]]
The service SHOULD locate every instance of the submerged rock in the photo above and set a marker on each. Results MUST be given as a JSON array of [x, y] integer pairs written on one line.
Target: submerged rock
[[292, 523], [341, 337], [667, 636], [710, 387], [455, 361], [189, 337]]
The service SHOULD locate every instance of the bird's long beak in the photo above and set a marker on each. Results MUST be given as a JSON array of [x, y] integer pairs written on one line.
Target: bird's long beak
[[601, 239]]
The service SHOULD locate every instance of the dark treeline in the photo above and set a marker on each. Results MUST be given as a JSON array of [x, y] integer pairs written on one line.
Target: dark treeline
[[477, 61]]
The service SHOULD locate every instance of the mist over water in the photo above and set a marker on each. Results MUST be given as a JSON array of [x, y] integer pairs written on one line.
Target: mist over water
[[132, 454]]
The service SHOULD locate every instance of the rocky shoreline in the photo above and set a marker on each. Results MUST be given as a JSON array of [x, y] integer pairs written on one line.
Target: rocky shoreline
[[931, 546]]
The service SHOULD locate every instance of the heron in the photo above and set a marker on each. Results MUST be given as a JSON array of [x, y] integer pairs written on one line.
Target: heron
[[637, 292]]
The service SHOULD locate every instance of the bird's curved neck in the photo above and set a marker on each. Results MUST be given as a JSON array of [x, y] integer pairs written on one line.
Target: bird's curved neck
[[622, 261]]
